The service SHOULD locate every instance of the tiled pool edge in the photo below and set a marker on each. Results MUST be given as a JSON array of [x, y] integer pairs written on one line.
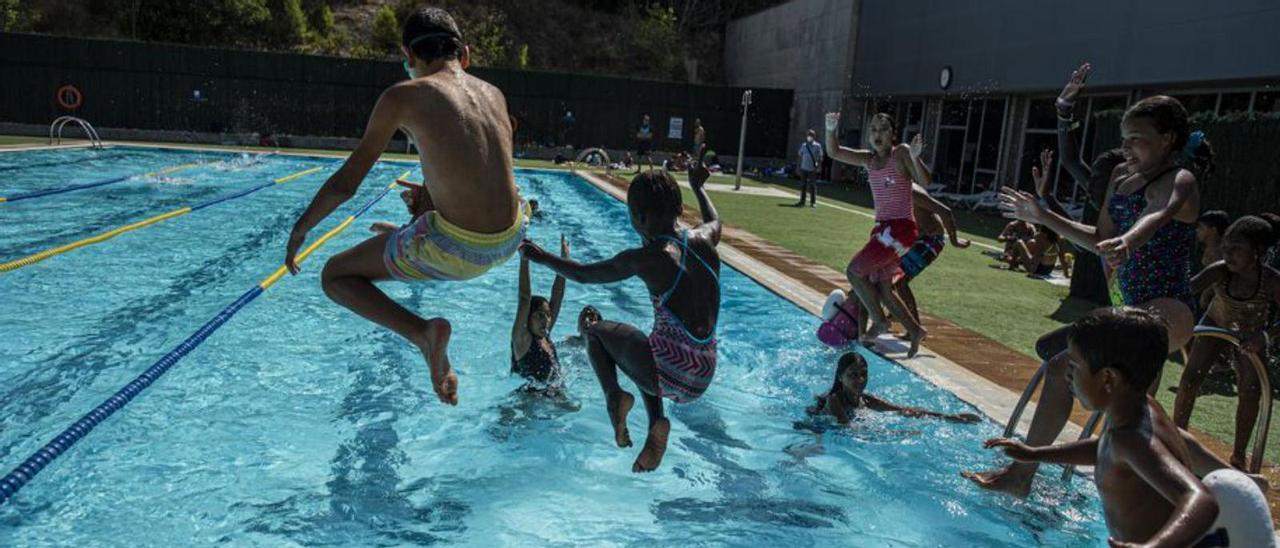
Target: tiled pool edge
[[991, 399]]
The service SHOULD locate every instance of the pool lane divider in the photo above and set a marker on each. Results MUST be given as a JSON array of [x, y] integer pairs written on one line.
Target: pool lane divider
[[103, 182], [25, 472], [37, 257]]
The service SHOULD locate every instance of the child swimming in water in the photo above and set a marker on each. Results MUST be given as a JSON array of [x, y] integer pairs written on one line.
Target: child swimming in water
[[1245, 295], [848, 394], [533, 356], [873, 271], [462, 130], [681, 269], [1150, 496]]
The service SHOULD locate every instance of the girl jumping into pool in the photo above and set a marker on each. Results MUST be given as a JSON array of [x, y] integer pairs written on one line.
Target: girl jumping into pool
[[1245, 295], [1145, 233], [891, 170], [533, 356], [681, 269]]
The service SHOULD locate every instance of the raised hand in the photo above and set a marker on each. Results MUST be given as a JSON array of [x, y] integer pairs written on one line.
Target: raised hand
[[564, 247], [1040, 173], [296, 239], [917, 146], [1115, 251], [1067, 98], [531, 251], [832, 120]]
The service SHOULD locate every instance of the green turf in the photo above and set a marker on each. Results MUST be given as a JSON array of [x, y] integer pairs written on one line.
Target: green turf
[[22, 140]]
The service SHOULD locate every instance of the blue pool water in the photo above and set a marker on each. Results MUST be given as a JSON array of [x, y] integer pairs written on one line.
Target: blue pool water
[[299, 423]]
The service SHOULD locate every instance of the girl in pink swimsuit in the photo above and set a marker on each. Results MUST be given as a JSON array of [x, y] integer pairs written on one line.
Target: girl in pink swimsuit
[[891, 171], [681, 269]]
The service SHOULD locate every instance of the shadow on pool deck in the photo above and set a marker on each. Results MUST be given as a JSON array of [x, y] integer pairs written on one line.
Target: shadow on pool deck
[[978, 354]]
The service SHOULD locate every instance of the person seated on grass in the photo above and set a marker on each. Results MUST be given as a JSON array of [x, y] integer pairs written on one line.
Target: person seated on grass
[[1142, 466], [463, 133], [1037, 255], [848, 394], [1015, 231], [681, 270], [1245, 295], [533, 356]]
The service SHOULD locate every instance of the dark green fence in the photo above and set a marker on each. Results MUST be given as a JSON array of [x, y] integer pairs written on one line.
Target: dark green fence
[[1246, 179], [154, 86]]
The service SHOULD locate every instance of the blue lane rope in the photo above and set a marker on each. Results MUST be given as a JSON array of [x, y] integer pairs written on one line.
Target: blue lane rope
[[113, 180], [25, 472]]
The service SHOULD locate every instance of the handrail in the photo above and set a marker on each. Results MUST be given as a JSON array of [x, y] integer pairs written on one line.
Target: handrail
[[60, 122], [1264, 413]]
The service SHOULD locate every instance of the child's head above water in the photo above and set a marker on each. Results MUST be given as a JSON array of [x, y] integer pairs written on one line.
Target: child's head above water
[[1246, 241], [1156, 129], [587, 318], [851, 374], [539, 315], [1115, 351], [430, 34], [1211, 225], [654, 202]]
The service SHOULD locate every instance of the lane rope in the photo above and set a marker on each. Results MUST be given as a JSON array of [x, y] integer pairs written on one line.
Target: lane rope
[[99, 238], [11, 483], [103, 182]]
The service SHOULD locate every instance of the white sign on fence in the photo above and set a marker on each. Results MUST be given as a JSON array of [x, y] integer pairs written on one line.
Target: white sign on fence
[[676, 129]]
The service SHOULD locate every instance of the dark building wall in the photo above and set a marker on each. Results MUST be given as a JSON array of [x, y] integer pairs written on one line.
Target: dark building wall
[[151, 86], [1028, 46]]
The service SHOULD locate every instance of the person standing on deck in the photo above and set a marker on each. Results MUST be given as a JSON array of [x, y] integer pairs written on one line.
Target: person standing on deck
[[810, 162]]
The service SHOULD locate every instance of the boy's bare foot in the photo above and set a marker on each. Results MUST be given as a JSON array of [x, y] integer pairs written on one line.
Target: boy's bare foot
[[1004, 480], [619, 405], [434, 344], [916, 337], [655, 446]]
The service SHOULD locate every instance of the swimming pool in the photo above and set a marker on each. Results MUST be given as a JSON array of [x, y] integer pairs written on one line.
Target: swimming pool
[[299, 423]]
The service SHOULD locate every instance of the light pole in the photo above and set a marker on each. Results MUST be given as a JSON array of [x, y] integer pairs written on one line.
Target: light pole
[[742, 140]]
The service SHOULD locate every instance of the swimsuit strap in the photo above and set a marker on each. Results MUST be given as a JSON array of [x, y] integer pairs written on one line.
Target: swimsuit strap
[[1143, 189], [684, 254]]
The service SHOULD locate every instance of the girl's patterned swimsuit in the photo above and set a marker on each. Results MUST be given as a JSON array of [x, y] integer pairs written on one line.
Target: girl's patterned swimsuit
[[1162, 266], [685, 363]]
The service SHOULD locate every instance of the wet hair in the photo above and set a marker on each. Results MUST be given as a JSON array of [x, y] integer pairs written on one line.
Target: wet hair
[[1169, 116], [847, 361], [1215, 219], [536, 302], [1259, 232], [1130, 340], [655, 192], [431, 33]]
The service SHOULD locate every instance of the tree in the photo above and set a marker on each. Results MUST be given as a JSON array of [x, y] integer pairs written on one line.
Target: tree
[[656, 40], [288, 24], [386, 31]]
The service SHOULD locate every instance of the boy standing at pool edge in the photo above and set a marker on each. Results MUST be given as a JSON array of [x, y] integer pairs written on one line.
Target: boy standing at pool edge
[[461, 128]]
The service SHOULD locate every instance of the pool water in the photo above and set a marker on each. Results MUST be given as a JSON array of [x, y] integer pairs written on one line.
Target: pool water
[[299, 423]]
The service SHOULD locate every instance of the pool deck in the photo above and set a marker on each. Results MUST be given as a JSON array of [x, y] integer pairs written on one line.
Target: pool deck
[[980, 371]]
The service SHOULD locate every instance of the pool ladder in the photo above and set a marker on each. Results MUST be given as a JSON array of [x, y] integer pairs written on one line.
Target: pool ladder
[[85, 126], [1264, 412]]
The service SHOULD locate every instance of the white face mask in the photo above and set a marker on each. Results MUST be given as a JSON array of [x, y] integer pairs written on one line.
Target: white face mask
[[809, 139]]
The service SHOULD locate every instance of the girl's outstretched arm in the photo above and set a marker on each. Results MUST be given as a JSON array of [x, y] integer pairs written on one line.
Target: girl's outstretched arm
[[876, 404], [557, 287], [854, 157], [520, 338], [1071, 160], [617, 268]]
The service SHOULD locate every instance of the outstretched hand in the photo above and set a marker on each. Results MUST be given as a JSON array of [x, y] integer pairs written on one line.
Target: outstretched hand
[[564, 247], [1016, 204], [296, 239], [1115, 251], [1013, 449], [1067, 98], [531, 251], [1040, 173], [698, 174], [966, 418]]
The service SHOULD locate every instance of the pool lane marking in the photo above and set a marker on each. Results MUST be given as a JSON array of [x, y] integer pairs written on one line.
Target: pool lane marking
[[11, 483], [37, 257], [71, 188]]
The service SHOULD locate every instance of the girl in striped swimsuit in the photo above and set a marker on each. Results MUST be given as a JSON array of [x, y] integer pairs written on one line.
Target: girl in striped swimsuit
[[681, 269], [891, 170]]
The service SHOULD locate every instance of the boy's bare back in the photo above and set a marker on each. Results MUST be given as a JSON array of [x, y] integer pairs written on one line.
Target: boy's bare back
[[1135, 509], [463, 134]]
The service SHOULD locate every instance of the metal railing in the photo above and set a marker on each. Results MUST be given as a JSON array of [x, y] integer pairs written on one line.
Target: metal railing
[[1264, 412], [55, 130]]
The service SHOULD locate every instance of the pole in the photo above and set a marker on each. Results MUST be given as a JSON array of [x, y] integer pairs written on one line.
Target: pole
[[742, 140]]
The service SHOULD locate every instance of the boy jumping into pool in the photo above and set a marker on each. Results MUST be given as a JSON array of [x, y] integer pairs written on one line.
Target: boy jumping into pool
[[848, 394], [461, 127], [1150, 496], [682, 271]]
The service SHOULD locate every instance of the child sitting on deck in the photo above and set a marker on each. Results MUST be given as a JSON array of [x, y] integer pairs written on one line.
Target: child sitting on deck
[[533, 356], [681, 269], [1150, 497], [462, 130], [848, 394]]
